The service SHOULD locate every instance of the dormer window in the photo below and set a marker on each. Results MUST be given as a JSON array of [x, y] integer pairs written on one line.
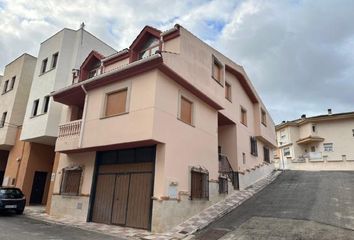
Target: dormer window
[[151, 46], [92, 73], [91, 66]]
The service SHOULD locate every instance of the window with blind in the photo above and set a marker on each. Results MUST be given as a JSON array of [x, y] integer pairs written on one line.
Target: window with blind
[[116, 103], [254, 150], [186, 111], [228, 91], [71, 180], [266, 154], [264, 117], [217, 70], [243, 116], [199, 185]]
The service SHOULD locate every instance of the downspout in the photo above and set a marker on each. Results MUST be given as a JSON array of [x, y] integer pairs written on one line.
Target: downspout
[[83, 120]]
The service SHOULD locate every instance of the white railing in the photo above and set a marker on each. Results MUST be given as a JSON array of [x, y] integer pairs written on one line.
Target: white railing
[[70, 129]]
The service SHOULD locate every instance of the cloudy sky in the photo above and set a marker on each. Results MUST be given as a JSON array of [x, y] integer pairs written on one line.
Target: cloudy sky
[[299, 54]]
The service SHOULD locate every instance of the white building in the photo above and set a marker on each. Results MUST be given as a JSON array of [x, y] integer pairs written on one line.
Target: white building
[[31, 157], [58, 56], [324, 142]]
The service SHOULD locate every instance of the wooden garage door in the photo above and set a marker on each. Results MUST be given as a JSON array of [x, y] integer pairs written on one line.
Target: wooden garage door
[[103, 200], [138, 212], [123, 195]]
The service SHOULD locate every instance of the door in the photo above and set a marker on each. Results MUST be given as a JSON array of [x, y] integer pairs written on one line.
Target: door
[[139, 201], [38, 187], [120, 199], [103, 200]]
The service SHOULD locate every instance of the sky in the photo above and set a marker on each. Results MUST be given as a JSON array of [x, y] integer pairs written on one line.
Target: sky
[[298, 54]]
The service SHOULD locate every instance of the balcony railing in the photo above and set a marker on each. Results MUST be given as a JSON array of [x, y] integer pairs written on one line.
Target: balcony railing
[[70, 129]]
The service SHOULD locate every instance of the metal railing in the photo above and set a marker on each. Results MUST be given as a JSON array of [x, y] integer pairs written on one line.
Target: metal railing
[[70, 129], [226, 168]]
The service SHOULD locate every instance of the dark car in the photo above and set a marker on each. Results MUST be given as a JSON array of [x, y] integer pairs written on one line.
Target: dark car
[[12, 199]]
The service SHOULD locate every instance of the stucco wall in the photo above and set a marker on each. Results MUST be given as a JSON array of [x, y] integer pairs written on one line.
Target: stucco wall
[[186, 145], [73, 47], [135, 125], [14, 101]]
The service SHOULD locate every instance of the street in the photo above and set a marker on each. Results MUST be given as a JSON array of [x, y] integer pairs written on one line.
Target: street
[[15, 227], [297, 205]]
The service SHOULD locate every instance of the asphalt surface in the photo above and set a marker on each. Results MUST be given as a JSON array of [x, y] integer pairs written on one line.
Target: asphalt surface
[[13, 227], [297, 205]]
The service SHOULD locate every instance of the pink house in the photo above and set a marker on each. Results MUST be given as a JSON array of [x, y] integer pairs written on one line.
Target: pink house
[[157, 132]]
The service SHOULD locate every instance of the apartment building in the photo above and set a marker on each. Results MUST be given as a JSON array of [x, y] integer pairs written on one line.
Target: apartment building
[[323, 142], [157, 132], [15, 88], [30, 166]]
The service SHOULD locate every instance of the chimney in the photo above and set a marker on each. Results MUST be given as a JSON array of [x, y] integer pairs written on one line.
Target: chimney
[[303, 116], [329, 111], [283, 122]]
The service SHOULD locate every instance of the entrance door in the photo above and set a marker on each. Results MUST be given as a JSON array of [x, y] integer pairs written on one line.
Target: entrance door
[[38, 186]]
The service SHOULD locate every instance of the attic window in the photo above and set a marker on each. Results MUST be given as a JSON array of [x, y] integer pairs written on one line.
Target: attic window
[[151, 46]]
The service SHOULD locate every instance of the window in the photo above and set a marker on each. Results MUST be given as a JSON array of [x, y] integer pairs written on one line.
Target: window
[[243, 116], [254, 150], [244, 158], [199, 184], [313, 149], [54, 60], [46, 104], [223, 185], [266, 154], [92, 73], [71, 179], [313, 128], [186, 111], [6, 84], [264, 117], [228, 91], [35, 107], [353, 132], [150, 48], [328, 147], [286, 151], [217, 70], [116, 103], [44, 65], [12, 82], [3, 119]]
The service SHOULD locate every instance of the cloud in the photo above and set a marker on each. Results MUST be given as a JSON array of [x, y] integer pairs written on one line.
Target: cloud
[[299, 54]]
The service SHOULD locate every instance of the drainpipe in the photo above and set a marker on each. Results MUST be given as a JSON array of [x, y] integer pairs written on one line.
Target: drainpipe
[[83, 116]]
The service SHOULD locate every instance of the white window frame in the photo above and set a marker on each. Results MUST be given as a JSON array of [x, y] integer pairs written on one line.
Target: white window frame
[[328, 147], [286, 153]]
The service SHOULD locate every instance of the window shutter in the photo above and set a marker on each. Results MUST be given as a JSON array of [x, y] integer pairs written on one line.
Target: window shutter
[[186, 111], [116, 103]]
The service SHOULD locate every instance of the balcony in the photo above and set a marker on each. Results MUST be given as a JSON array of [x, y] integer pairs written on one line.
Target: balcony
[[69, 136]]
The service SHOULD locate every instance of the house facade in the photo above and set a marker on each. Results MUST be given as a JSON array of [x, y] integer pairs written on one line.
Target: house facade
[[30, 162], [166, 127], [15, 89], [323, 142]]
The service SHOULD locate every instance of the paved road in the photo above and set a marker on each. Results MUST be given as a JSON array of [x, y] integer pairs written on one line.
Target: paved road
[[297, 205], [14, 227]]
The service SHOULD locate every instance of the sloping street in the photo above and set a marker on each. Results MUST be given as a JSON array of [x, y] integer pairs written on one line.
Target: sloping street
[[297, 205]]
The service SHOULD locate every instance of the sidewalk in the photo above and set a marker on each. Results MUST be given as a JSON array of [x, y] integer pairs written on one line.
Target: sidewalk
[[181, 231]]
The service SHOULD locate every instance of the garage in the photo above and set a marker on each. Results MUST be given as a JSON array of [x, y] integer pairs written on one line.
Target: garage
[[123, 189]]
